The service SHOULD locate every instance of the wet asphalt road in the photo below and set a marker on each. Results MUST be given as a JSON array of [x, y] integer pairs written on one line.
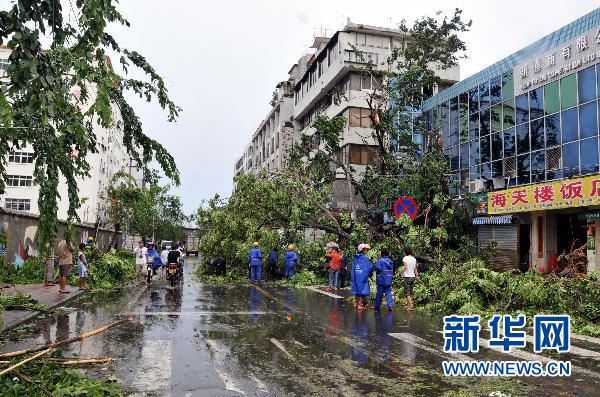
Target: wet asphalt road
[[206, 340]]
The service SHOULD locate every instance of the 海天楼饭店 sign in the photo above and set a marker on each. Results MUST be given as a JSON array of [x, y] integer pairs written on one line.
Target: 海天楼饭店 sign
[[576, 192], [562, 60]]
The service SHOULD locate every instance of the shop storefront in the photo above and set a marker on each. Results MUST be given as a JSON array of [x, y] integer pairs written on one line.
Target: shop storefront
[[525, 132]]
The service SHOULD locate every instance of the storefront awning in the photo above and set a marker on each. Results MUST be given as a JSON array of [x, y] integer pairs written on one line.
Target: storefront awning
[[493, 220]]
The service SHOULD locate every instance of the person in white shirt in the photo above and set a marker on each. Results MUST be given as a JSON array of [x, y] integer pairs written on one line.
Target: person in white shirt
[[410, 273], [164, 257], [141, 259]]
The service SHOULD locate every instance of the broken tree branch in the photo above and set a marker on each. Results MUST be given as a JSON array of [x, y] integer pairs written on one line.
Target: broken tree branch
[[27, 379], [17, 365], [67, 341]]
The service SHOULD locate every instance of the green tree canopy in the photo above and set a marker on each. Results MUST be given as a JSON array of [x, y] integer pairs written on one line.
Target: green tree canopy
[[40, 109]]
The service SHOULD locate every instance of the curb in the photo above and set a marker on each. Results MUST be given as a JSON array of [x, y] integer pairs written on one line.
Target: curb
[[33, 315]]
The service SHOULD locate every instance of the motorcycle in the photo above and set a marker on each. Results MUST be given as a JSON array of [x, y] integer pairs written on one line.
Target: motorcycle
[[173, 273]]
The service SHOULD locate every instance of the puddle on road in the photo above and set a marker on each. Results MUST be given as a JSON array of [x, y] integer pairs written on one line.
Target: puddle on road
[[323, 346]]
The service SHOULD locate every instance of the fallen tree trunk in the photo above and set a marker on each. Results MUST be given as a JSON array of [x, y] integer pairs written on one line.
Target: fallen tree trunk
[[66, 341], [17, 365]]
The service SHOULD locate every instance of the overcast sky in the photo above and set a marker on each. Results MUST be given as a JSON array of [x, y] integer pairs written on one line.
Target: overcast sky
[[222, 59]]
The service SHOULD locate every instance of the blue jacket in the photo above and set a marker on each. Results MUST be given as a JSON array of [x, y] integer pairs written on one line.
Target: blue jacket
[[290, 259], [156, 261], [344, 264], [273, 255], [385, 271], [255, 256], [359, 275]]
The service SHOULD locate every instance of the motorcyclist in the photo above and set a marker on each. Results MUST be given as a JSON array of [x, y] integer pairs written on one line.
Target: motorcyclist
[[174, 256], [153, 258]]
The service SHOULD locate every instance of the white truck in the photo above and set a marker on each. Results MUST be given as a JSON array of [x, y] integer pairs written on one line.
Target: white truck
[[191, 244]]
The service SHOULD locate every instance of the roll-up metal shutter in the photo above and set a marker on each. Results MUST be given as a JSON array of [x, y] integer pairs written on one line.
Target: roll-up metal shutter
[[506, 255]]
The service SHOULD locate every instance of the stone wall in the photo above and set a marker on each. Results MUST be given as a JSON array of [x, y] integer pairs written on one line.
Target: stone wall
[[18, 230]]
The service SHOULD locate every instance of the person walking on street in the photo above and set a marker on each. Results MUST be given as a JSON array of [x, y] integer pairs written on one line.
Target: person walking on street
[[290, 260], [335, 266], [164, 258], [141, 259], [82, 267], [65, 262], [359, 276], [384, 268], [409, 273], [272, 263], [255, 257], [48, 271]]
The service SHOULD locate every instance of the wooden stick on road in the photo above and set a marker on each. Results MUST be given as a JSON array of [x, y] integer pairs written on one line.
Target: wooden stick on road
[[17, 365], [67, 341], [27, 379]]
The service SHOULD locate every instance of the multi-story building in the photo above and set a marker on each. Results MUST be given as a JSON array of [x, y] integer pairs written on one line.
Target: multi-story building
[[326, 81], [524, 133], [21, 192]]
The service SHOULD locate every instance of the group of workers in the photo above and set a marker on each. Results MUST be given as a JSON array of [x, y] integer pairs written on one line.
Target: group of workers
[[361, 271]]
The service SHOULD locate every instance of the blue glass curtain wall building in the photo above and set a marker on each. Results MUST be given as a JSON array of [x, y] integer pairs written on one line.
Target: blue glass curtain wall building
[[545, 134]]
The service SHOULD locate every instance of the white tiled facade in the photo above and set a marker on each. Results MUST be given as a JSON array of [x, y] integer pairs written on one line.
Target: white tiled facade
[[21, 192], [329, 71]]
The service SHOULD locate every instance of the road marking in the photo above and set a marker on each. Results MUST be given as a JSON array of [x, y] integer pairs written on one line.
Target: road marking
[[204, 313], [280, 346], [427, 346], [220, 354], [136, 297], [154, 366], [586, 338], [575, 350], [316, 289]]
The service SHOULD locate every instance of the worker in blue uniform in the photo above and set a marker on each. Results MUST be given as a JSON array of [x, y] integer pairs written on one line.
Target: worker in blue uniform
[[384, 269], [290, 260], [255, 257]]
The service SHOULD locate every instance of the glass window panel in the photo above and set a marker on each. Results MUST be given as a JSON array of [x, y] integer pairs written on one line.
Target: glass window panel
[[453, 109], [509, 142], [508, 113], [446, 136], [588, 121], [474, 152], [586, 82], [523, 169], [589, 155], [570, 153], [484, 95], [474, 173], [569, 125], [508, 86], [496, 115], [568, 91], [536, 103], [537, 134], [484, 122], [454, 133], [598, 79], [464, 129], [522, 108], [523, 138], [474, 126], [454, 158], [485, 149], [473, 100], [444, 113], [495, 90], [486, 171], [551, 98], [538, 166], [552, 124], [497, 169], [463, 104], [464, 155], [497, 146]]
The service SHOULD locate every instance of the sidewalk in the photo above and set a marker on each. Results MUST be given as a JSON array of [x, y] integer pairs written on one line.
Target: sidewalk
[[48, 296]]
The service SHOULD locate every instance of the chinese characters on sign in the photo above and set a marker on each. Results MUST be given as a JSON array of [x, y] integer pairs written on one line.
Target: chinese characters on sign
[[550, 332], [568, 57], [566, 193]]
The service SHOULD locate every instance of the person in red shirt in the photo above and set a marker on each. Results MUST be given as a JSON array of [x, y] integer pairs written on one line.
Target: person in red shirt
[[335, 266]]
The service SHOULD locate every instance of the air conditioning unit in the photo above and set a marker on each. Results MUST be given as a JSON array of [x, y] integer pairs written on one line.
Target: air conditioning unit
[[499, 182], [477, 186]]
